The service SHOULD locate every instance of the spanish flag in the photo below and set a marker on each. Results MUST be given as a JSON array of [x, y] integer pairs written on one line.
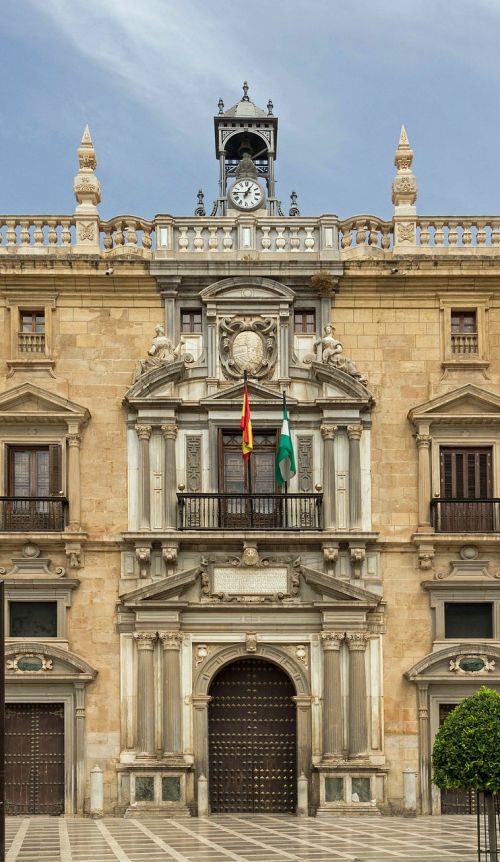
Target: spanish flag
[[246, 426]]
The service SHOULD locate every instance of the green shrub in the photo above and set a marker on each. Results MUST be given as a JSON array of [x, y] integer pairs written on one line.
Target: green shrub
[[466, 752]]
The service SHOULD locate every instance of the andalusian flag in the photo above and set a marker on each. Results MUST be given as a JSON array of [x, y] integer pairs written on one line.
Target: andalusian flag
[[285, 457], [246, 426]]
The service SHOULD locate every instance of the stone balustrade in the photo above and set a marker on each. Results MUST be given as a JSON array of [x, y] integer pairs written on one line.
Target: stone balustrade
[[324, 238]]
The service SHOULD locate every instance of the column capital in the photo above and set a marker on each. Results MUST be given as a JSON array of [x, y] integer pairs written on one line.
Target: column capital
[[328, 430], [423, 440], [354, 432], [171, 640], [143, 431], [357, 641], [200, 701], [169, 431], [145, 640], [332, 640], [303, 701], [74, 440]]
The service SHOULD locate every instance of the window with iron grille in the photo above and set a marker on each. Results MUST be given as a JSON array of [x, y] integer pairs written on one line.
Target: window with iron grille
[[466, 503], [190, 320], [304, 320], [31, 336]]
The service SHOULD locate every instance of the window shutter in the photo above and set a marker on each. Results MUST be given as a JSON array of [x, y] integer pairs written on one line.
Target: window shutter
[[55, 473]]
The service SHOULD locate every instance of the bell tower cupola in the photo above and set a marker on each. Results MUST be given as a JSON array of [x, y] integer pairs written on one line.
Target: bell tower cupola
[[245, 146]]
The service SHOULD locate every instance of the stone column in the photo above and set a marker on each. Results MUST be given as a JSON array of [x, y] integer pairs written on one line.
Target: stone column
[[145, 693], [74, 497], [424, 753], [354, 433], [144, 433], [172, 705], [358, 730], [304, 752], [200, 732], [80, 746], [332, 694], [170, 475], [329, 476], [424, 481]]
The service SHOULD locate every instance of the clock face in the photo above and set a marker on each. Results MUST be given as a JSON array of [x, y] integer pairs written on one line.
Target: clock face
[[246, 194]]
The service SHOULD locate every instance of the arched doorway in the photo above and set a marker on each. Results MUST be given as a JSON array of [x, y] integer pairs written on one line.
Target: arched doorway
[[252, 739]]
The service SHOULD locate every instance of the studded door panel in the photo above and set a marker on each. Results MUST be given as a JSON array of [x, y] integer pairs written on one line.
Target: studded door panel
[[252, 739], [34, 758]]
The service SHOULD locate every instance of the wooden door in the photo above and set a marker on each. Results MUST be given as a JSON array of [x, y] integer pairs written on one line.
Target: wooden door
[[34, 758], [466, 485], [255, 477], [252, 739]]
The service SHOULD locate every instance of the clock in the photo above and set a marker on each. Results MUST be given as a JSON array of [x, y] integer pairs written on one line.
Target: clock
[[246, 194]]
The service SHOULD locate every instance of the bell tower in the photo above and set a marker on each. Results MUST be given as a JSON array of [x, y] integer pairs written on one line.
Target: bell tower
[[245, 146]]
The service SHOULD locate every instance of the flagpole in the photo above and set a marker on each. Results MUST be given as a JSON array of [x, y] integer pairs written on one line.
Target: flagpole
[[286, 483]]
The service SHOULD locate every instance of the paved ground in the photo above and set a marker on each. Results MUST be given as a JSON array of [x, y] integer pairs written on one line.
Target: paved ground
[[241, 837]]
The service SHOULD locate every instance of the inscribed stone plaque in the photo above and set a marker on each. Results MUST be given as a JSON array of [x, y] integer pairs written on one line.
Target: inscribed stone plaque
[[249, 581]]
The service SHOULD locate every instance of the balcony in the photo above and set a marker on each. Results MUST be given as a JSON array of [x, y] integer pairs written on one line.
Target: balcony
[[290, 512], [33, 514], [465, 516]]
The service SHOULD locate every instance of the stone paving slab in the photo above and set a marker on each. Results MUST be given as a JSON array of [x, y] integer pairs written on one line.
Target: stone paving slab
[[241, 838]]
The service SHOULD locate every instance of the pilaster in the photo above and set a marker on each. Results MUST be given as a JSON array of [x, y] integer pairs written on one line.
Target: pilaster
[[354, 433], [329, 478], [172, 705], [169, 432], [145, 693], [424, 751], [74, 493], [424, 481], [144, 433]]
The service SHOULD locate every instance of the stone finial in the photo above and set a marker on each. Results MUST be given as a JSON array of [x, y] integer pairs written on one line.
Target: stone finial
[[294, 208], [200, 209], [270, 108], [245, 97], [86, 186], [220, 105], [404, 185]]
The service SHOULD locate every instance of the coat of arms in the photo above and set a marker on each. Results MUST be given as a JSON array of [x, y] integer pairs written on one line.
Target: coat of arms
[[247, 345]]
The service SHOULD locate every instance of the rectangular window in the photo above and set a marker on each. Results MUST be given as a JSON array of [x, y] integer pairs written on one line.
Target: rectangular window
[[33, 476], [468, 620], [190, 320], [31, 337], [33, 619], [464, 336], [466, 490], [304, 320]]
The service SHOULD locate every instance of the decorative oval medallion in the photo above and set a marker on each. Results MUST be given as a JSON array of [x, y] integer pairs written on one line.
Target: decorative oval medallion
[[30, 663], [248, 351], [472, 664]]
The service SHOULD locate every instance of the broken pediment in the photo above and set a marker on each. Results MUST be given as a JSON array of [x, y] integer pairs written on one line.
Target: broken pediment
[[29, 403], [469, 403], [157, 383], [340, 591], [338, 386], [170, 587]]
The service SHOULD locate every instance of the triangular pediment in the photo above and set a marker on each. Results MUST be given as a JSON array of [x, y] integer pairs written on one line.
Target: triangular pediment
[[340, 591], [30, 402], [257, 393], [169, 587], [470, 402]]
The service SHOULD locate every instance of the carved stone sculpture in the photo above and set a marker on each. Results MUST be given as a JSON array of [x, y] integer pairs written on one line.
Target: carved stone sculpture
[[332, 354], [162, 352], [247, 345]]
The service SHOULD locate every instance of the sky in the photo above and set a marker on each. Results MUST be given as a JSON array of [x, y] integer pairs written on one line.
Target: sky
[[146, 75]]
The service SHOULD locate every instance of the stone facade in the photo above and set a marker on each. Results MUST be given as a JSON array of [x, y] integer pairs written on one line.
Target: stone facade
[[125, 344]]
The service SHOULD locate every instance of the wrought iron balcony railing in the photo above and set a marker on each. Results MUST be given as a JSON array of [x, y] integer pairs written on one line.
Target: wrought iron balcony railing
[[33, 514], [465, 516], [250, 511]]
